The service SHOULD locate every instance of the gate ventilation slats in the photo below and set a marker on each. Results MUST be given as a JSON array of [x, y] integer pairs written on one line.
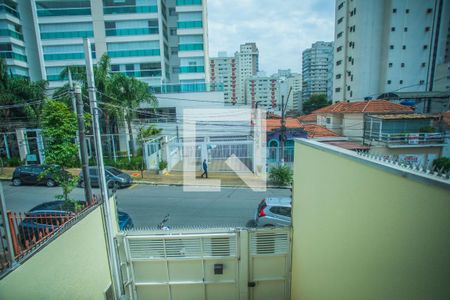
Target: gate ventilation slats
[[183, 247], [269, 243]]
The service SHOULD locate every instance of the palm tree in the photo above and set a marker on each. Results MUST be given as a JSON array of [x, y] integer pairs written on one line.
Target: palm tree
[[130, 93]]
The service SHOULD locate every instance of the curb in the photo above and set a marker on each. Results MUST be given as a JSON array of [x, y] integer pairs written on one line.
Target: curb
[[153, 183], [222, 185]]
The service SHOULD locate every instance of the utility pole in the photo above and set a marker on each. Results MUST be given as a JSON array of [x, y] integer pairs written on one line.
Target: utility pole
[[83, 146], [282, 131], [112, 251], [74, 105], [72, 96], [283, 125]]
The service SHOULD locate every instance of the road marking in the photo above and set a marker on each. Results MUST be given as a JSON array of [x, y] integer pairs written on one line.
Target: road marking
[[132, 186]]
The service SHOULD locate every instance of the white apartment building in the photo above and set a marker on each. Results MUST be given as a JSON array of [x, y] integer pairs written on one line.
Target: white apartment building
[[224, 75], [387, 46], [161, 42], [233, 72], [317, 70], [263, 92], [292, 82], [248, 66]]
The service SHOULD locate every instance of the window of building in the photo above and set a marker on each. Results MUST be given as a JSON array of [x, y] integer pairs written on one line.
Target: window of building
[[337, 90], [172, 11], [175, 70], [424, 65], [351, 93], [401, 81], [339, 34], [421, 81], [328, 120], [402, 65], [394, 10], [341, 5], [391, 47], [340, 20], [348, 88], [407, 11], [404, 47], [174, 50], [429, 10], [425, 47], [338, 62], [173, 31], [427, 29], [388, 82], [405, 29], [339, 49], [338, 76], [390, 65], [392, 29]]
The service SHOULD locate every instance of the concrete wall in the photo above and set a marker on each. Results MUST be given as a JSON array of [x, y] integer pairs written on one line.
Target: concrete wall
[[352, 126], [73, 266], [365, 230]]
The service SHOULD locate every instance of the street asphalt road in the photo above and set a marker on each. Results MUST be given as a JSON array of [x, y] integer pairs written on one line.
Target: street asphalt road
[[147, 205]]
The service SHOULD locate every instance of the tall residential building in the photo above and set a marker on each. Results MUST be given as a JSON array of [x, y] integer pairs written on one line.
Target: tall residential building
[[292, 82], [161, 42], [234, 71], [317, 69], [387, 46], [263, 91], [12, 44], [224, 75], [248, 66]]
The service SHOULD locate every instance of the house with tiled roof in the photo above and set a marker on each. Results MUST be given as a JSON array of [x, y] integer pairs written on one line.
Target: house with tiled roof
[[347, 118], [308, 119]]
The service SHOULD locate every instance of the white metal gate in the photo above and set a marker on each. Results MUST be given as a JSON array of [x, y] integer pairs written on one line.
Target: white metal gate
[[207, 264]]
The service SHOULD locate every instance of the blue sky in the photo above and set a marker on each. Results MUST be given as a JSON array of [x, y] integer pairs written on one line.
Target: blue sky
[[281, 29]]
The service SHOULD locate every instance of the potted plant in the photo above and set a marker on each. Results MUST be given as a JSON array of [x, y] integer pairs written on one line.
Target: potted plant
[[162, 167]]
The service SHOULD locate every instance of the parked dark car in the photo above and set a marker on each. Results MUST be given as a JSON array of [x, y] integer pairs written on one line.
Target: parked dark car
[[114, 177], [31, 174], [47, 216]]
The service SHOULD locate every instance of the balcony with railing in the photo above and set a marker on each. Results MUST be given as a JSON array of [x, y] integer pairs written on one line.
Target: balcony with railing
[[409, 130]]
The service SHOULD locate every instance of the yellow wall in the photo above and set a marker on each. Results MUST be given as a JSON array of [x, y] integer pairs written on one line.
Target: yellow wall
[[361, 232], [73, 266]]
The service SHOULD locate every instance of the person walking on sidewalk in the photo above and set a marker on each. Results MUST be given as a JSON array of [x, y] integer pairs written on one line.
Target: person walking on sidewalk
[[205, 168]]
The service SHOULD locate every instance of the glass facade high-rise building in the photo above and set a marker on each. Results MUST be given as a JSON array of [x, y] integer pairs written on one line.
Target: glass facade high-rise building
[[12, 44], [161, 42], [317, 68]]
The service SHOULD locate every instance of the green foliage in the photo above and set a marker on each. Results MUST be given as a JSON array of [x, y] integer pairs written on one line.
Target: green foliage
[[316, 101], [17, 90], [59, 129], [442, 163], [12, 162], [281, 175], [162, 165], [426, 129], [135, 163], [148, 132]]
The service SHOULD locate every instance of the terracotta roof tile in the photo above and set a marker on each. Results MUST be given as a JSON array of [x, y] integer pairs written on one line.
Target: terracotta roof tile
[[316, 131], [272, 124], [371, 106], [308, 118]]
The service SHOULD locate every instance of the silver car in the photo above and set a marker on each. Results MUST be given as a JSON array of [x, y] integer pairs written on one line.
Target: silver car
[[274, 212]]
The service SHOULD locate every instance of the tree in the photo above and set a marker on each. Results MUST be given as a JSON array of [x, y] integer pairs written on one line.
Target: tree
[[316, 101], [59, 130], [442, 164], [25, 97], [145, 134], [129, 94], [281, 175]]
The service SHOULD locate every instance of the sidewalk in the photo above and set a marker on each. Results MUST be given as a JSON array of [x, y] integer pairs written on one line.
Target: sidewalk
[[171, 178]]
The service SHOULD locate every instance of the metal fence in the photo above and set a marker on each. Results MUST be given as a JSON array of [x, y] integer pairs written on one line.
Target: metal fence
[[30, 230]]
